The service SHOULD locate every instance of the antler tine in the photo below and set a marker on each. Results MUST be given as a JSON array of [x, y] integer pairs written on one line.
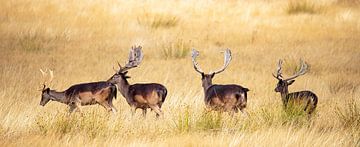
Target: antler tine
[[51, 75], [118, 63], [44, 74], [302, 71], [278, 70], [194, 54], [227, 59]]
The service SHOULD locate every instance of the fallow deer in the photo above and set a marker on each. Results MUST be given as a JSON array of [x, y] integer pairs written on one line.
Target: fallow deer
[[144, 95], [229, 98], [305, 99], [101, 93]]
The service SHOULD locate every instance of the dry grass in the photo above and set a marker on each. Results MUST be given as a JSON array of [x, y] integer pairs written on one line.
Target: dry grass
[[82, 40]]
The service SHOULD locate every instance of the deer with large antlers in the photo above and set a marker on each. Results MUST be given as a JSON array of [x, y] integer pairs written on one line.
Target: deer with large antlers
[[305, 99], [229, 98], [139, 96], [101, 93]]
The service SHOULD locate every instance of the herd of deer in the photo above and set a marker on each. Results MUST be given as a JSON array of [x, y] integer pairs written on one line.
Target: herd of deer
[[229, 98]]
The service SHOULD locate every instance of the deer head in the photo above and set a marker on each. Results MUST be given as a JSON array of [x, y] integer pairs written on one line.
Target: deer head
[[282, 85], [135, 58], [207, 78], [45, 96]]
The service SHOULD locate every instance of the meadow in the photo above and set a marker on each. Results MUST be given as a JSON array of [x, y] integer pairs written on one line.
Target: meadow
[[81, 41]]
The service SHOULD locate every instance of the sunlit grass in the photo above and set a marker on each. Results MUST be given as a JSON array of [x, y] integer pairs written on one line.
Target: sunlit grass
[[82, 40]]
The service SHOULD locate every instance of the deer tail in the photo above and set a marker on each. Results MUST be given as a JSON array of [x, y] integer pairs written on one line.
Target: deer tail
[[113, 93], [162, 94]]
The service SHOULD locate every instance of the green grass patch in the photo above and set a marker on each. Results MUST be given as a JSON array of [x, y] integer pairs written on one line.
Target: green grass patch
[[210, 121]]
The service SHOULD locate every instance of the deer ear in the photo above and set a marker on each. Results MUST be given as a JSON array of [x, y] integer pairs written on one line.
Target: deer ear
[[47, 90], [125, 72], [212, 75], [127, 77], [290, 82]]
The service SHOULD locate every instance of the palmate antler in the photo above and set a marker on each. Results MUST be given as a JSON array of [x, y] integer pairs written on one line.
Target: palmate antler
[[194, 55], [303, 69], [227, 59], [278, 70], [135, 58], [44, 74]]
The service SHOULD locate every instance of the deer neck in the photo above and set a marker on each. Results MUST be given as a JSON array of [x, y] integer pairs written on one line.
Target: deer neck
[[58, 96], [284, 94], [206, 84], [123, 87]]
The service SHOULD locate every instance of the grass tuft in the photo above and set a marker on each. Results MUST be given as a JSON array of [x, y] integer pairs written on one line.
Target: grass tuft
[[349, 115], [302, 6], [157, 21], [31, 42], [183, 123], [176, 49], [209, 121]]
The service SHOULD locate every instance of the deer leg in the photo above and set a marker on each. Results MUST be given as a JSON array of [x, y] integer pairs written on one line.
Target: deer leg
[[113, 109], [133, 110], [144, 112], [106, 106], [72, 108], [244, 112], [157, 110], [78, 109], [231, 112]]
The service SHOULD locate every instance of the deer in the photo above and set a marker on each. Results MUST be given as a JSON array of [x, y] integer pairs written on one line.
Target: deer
[[229, 98], [139, 95], [304, 99], [78, 95]]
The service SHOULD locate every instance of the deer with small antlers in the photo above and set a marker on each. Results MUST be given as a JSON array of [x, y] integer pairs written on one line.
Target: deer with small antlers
[[307, 99], [139, 96], [229, 98], [101, 93]]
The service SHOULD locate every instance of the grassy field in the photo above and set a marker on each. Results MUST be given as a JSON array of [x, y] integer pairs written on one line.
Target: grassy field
[[82, 40]]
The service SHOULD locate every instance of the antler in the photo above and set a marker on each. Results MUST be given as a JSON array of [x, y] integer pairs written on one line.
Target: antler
[[135, 58], [278, 70], [194, 54], [44, 74], [227, 59], [302, 71]]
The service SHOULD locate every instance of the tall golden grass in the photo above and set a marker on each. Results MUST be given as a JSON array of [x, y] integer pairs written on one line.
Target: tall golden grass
[[82, 40]]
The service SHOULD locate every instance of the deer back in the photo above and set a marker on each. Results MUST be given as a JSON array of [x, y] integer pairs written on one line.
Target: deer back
[[149, 93], [226, 92], [91, 93], [302, 96]]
